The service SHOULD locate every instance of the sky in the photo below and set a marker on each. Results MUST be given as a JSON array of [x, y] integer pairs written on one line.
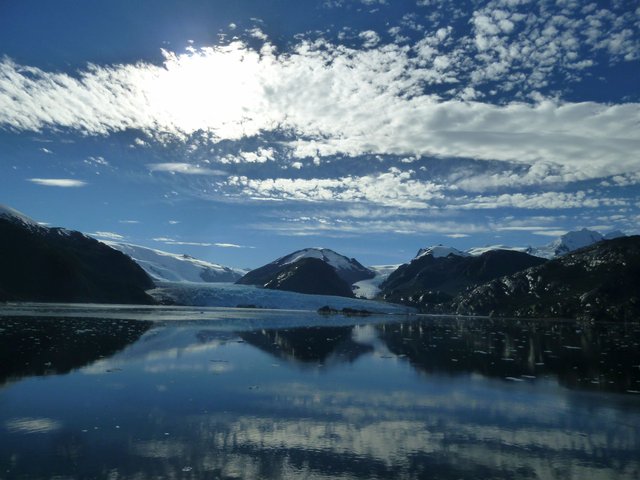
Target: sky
[[240, 131]]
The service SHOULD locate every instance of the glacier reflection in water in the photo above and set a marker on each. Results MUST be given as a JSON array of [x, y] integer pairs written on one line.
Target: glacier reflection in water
[[296, 395]]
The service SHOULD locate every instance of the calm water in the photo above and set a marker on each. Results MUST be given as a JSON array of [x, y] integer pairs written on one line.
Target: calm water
[[250, 394]]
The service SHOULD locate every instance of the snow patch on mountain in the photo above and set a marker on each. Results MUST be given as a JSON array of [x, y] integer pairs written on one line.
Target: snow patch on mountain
[[440, 251], [335, 260], [477, 251], [165, 266], [16, 216]]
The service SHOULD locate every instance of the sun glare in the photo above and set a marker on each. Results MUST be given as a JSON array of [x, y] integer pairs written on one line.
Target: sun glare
[[218, 89]]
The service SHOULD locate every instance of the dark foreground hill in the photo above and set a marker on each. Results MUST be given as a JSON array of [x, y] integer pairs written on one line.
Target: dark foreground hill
[[598, 282], [58, 265]]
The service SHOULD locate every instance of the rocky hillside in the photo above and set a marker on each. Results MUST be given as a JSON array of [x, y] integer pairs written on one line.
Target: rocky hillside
[[598, 282], [58, 265], [432, 279], [310, 275]]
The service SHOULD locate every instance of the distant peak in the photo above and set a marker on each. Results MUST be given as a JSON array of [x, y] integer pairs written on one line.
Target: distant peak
[[614, 234], [439, 251]]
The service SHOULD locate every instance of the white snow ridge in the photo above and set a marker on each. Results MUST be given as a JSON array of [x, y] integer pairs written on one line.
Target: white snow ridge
[[171, 267], [439, 251]]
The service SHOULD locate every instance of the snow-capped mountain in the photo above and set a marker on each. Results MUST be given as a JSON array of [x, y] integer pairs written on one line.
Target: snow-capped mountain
[[564, 244], [349, 269], [476, 251], [171, 267], [440, 251], [302, 270], [571, 241]]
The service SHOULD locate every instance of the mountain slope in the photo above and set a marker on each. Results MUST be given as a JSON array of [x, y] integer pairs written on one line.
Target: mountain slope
[[598, 282], [164, 266], [310, 275], [430, 279], [347, 271], [58, 265]]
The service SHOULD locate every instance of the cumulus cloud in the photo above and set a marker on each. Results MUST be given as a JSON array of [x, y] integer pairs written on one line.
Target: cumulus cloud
[[393, 188], [329, 99], [58, 182]]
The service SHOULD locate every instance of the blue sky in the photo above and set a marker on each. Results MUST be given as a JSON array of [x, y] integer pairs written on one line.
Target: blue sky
[[240, 131]]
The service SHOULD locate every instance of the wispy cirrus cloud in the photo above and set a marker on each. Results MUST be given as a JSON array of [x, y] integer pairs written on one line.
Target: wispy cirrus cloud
[[108, 235], [184, 168], [171, 241], [58, 182]]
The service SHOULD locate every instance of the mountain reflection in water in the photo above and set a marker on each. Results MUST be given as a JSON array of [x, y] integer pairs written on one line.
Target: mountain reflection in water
[[419, 398]]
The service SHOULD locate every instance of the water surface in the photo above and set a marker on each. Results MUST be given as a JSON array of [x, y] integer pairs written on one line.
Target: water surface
[[263, 394]]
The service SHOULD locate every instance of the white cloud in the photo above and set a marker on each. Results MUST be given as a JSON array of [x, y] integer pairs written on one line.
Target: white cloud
[[457, 235], [131, 222], [369, 38], [171, 241], [229, 245], [58, 182], [333, 100], [356, 227], [181, 167], [393, 188], [545, 200], [550, 233], [108, 235], [96, 161]]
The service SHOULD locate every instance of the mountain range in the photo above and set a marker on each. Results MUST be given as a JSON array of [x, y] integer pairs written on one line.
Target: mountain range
[[597, 282], [582, 274], [436, 275]]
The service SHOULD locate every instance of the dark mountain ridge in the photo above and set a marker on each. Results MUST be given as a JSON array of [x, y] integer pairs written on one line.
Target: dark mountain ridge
[[598, 282], [58, 265], [428, 280]]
